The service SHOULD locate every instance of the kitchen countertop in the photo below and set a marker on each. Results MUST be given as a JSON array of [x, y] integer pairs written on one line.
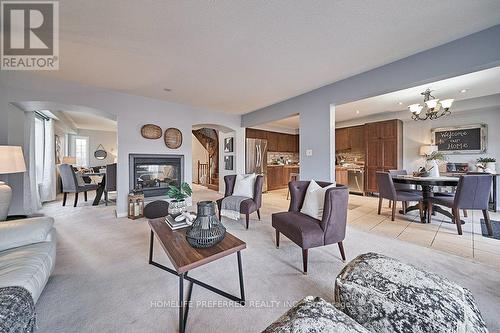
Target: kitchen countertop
[[284, 166]]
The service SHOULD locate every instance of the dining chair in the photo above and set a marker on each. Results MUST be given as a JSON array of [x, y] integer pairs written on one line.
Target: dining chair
[[70, 184], [110, 181], [387, 190], [472, 193], [308, 232], [402, 187]]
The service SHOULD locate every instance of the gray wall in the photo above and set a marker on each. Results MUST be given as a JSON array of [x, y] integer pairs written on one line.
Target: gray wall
[[472, 53]]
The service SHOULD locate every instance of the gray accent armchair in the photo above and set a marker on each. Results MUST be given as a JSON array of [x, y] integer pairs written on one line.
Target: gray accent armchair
[[387, 190], [248, 206], [472, 193], [70, 184], [308, 232]]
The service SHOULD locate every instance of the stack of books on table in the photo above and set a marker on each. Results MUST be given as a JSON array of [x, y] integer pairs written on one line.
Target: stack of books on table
[[174, 225]]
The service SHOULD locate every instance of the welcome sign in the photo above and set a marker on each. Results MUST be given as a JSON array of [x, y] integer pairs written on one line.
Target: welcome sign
[[468, 139]]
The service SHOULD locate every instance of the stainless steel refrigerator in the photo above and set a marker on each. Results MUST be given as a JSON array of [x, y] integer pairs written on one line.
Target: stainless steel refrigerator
[[256, 158]]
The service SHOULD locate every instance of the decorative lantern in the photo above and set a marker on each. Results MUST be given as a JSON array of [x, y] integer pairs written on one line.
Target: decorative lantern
[[135, 206], [206, 230]]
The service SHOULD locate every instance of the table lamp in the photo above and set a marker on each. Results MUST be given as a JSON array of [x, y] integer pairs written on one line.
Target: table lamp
[[11, 161], [69, 160], [427, 150]]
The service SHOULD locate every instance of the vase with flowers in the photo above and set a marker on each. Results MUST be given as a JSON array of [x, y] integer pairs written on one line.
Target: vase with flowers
[[487, 164], [432, 163]]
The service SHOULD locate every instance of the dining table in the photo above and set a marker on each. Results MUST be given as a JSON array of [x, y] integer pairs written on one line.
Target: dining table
[[100, 186], [427, 184]]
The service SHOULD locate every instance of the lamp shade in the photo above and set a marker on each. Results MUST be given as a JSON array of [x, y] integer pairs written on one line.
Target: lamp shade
[[427, 150], [11, 159], [69, 160]]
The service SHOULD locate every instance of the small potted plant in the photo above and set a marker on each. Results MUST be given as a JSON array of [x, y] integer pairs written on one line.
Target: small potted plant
[[179, 194], [432, 163], [487, 164]]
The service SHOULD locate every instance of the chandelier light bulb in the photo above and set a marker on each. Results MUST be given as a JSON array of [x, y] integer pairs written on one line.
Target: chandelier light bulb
[[415, 108], [431, 104], [446, 103]]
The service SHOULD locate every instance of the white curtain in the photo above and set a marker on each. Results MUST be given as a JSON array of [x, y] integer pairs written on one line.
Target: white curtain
[[31, 197], [48, 184]]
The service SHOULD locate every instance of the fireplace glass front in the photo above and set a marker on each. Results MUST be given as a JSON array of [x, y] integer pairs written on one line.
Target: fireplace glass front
[[154, 173]]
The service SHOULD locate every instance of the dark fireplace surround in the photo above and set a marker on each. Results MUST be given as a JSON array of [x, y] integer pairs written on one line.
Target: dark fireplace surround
[[153, 173]]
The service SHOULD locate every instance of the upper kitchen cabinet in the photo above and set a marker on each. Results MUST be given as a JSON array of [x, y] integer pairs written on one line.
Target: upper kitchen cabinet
[[356, 136], [342, 139], [350, 138], [276, 142]]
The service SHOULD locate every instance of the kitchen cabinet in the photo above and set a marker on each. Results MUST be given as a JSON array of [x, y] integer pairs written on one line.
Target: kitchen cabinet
[[341, 139], [278, 176], [350, 138], [341, 176], [384, 150], [276, 142], [356, 136]]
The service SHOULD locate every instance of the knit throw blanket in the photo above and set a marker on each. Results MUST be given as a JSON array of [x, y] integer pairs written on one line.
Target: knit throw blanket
[[231, 207], [17, 310]]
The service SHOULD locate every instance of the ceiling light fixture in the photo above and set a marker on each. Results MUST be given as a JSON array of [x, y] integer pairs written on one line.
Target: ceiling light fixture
[[463, 91], [400, 103], [357, 111], [434, 108]]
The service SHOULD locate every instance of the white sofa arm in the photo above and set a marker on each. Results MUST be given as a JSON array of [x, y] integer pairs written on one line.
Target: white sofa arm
[[23, 232]]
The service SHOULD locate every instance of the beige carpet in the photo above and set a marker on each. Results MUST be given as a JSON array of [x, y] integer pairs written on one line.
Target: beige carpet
[[103, 283]]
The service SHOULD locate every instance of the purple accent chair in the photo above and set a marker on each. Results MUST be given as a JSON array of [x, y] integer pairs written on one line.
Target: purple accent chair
[[248, 206], [387, 190], [473, 193], [308, 232]]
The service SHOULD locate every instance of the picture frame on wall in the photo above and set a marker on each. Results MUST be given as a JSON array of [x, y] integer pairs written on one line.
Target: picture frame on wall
[[229, 145], [464, 139], [229, 163]]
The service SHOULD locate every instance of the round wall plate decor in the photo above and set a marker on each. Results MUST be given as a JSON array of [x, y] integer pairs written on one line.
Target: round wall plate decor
[[173, 138], [100, 154], [151, 131]]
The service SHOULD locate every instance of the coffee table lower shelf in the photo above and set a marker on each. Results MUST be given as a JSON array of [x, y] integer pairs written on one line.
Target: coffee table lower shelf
[[184, 305]]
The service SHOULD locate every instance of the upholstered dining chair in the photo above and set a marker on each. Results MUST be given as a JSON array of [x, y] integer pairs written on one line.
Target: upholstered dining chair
[[308, 232], [387, 190], [402, 187], [248, 206], [70, 184], [472, 193], [110, 182]]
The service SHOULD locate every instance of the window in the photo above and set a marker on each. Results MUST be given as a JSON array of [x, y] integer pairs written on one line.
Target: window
[[39, 148], [82, 151]]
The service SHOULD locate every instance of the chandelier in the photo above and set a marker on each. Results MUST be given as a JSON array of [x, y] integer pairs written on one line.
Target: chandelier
[[433, 108]]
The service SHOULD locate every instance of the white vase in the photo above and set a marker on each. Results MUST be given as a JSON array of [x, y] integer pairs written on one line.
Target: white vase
[[433, 168], [491, 167]]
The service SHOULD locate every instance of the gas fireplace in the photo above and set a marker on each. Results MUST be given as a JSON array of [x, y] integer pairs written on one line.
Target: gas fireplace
[[154, 173]]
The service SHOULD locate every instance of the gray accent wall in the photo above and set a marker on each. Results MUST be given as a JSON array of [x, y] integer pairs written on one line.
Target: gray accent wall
[[465, 55]]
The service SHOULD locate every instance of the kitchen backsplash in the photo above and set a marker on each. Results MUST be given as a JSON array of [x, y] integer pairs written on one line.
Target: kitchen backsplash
[[351, 157], [274, 156]]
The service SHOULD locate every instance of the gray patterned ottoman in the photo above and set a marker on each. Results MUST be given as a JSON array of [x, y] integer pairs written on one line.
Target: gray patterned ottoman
[[386, 295], [314, 315]]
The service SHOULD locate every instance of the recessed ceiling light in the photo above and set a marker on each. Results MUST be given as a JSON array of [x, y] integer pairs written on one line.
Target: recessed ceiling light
[[167, 89], [400, 103], [463, 91], [357, 111]]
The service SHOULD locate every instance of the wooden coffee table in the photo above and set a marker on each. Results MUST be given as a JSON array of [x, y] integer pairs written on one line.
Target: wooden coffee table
[[185, 258]]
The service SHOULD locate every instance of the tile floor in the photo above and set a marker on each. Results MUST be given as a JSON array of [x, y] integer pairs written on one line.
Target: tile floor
[[440, 235]]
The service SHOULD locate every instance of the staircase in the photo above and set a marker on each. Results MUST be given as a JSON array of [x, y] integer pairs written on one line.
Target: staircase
[[209, 139]]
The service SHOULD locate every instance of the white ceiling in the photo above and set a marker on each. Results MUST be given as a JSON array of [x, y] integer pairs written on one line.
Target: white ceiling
[[237, 56], [83, 120], [477, 84]]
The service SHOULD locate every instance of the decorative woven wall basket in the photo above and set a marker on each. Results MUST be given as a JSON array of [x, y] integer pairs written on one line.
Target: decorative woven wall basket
[[150, 131], [173, 138]]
